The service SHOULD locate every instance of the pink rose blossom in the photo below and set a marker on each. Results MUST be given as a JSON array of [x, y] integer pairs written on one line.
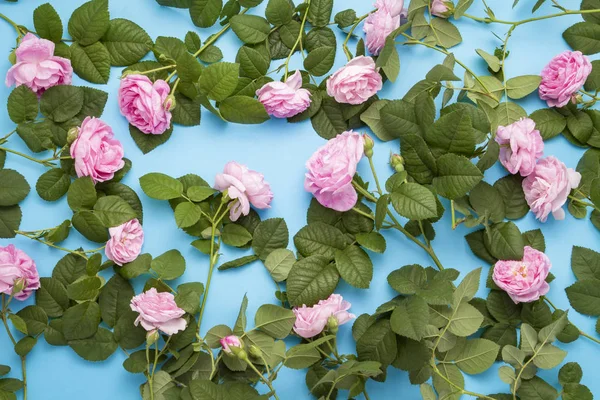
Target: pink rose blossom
[[285, 99], [331, 169], [310, 321], [245, 186], [96, 152], [356, 82], [230, 341], [521, 145], [524, 281], [563, 77], [158, 311], [378, 26], [37, 67], [441, 8], [392, 7], [125, 242], [145, 104], [16, 267], [548, 187]]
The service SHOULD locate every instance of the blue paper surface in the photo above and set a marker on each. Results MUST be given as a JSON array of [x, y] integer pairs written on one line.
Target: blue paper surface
[[279, 150]]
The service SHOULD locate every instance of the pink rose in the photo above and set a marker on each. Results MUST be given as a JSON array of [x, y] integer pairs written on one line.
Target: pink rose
[[524, 281], [521, 145], [310, 321], [548, 187], [96, 152], [246, 187], [331, 169], [441, 8], [125, 242], [145, 104], [229, 342], [392, 7], [17, 268], [285, 99], [158, 311], [356, 82], [378, 26], [37, 67], [563, 77]]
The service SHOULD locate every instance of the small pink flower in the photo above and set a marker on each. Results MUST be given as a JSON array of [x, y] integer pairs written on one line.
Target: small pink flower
[[310, 321], [355, 83], [335, 306], [16, 267], [229, 342], [524, 281], [392, 7], [245, 186], [145, 104], [37, 67], [563, 77], [378, 27], [331, 169], [125, 243], [521, 145], [441, 8], [284, 99], [96, 152], [158, 311], [548, 187]]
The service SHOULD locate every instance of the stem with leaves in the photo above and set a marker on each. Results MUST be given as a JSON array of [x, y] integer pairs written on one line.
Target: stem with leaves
[[4, 315], [350, 33], [19, 29], [46, 162], [298, 41], [36, 235]]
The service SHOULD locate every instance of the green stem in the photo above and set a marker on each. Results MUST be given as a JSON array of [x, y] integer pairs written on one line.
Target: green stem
[[157, 69], [298, 40], [488, 20], [262, 378], [14, 25], [14, 342], [5, 138], [50, 244], [593, 339], [375, 175], [212, 39], [349, 35], [584, 203], [45, 163], [458, 388], [453, 213]]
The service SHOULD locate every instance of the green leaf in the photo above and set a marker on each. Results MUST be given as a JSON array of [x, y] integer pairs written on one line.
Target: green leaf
[[95, 348], [570, 373], [47, 23], [205, 13], [113, 211], [536, 389], [583, 36], [13, 187], [22, 105], [52, 297], [238, 262], [585, 263], [575, 391], [126, 42], [584, 296], [37, 136], [254, 61], [408, 279], [218, 81], [250, 28], [320, 60], [398, 117], [188, 296], [243, 110], [465, 321], [279, 12], [549, 122], [84, 288], [319, 238], [457, 176], [469, 286], [446, 34], [235, 235], [127, 334], [319, 12], [169, 265], [115, 299], [187, 214], [549, 356], [389, 60], [410, 318], [279, 263], [477, 356], [418, 159], [414, 201], [373, 241], [329, 121], [535, 239], [25, 345], [511, 191], [310, 280], [35, 319], [81, 321], [10, 219], [160, 186], [441, 73], [92, 62], [520, 86], [53, 184], [137, 267], [355, 266], [452, 133], [378, 343], [270, 235], [492, 61], [81, 194], [275, 321], [487, 201], [89, 225], [89, 22], [69, 269], [505, 241], [580, 126], [345, 18]]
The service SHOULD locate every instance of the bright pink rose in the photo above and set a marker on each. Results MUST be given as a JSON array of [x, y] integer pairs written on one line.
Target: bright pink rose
[[37, 67], [245, 186], [125, 242], [145, 104], [17, 268], [285, 99], [548, 187], [356, 82], [563, 77], [392, 7], [524, 281], [521, 145], [310, 321], [158, 311], [378, 26], [96, 152], [230, 341], [441, 8], [331, 169]]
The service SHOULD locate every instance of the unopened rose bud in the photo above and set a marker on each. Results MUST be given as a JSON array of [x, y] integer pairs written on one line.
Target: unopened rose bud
[[72, 134], [225, 198], [577, 99], [442, 8], [397, 162], [152, 337], [233, 345], [170, 102], [18, 286], [255, 351], [332, 324], [369, 144], [12, 57]]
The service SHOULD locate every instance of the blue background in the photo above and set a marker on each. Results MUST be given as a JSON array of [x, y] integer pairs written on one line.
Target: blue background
[[279, 150]]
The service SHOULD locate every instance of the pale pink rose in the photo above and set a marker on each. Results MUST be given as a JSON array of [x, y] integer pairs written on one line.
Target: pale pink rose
[[335, 306], [563, 77], [377, 27], [524, 281], [125, 242], [228, 342], [37, 67], [310, 321], [392, 7], [356, 82], [331, 169], [158, 311], [441, 8], [284, 99], [145, 104], [521, 145], [548, 187], [16, 267], [96, 152], [245, 186]]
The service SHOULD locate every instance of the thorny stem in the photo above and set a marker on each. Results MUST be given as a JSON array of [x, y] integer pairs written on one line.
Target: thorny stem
[[14, 342], [298, 40], [489, 20], [45, 162], [350, 32], [581, 333]]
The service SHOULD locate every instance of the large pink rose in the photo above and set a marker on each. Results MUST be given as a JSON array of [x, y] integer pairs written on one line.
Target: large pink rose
[[441, 8], [285, 99], [331, 169], [521, 145], [356, 82], [158, 311], [125, 242], [96, 152], [392, 7], [525, 280], [310, 321], [245, 186], [145, 104], [563, 77], [377, 27], [37, 67], [16, 267], [548, 187], [229, 342]]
